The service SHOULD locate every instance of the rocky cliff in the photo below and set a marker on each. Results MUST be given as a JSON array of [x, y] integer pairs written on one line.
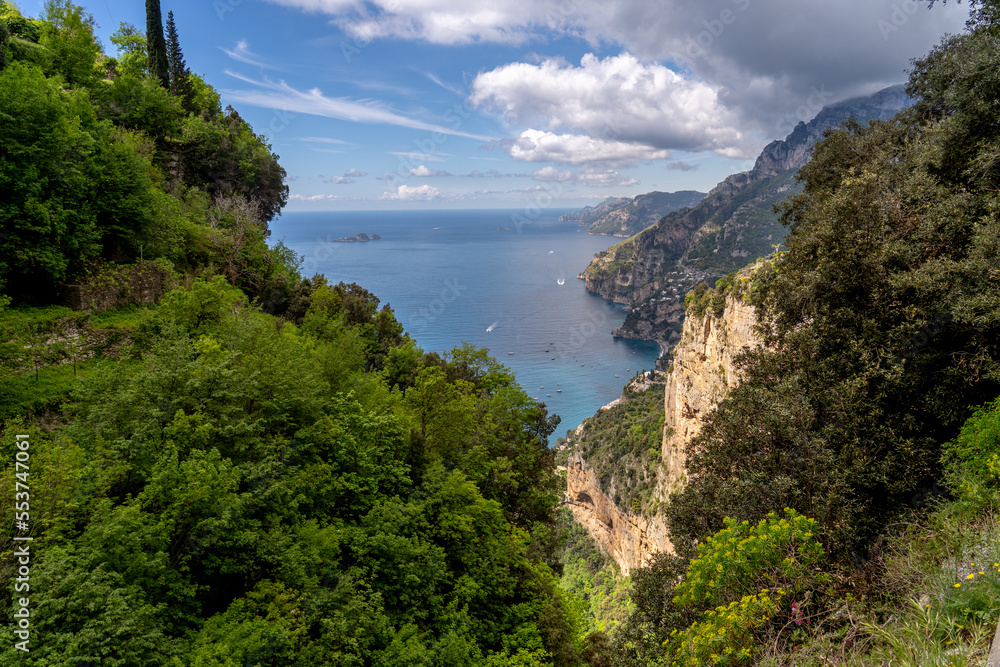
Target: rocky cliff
[[631, 539], [702, 371], [616, 484], [730, 227]]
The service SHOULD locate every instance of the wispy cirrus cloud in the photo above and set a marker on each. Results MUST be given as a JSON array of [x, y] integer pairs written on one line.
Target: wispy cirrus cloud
[[270, 94], [243, 54]]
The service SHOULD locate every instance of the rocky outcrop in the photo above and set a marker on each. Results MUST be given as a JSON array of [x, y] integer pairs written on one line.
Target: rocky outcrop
[[703, 371], [638, 213], [729, 228], [629, 538]]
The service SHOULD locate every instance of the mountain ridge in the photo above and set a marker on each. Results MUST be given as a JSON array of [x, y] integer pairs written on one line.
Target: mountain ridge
[[734, 224]]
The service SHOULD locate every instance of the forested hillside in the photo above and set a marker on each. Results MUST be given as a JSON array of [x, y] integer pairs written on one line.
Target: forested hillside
[[258, 468], [842, 500]]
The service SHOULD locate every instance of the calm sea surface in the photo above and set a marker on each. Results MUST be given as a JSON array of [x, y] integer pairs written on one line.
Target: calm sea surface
[[454, 276]]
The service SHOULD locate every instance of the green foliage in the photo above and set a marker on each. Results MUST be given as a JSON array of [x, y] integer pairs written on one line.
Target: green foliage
[[226, 504], [622, 445], [727, 635], [593, 576], [881, 322], [156, 46], [131, 46], [977, 447], [740, 559], [68, 39]]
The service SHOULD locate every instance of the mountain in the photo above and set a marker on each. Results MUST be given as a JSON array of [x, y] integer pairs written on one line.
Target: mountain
[[733, 225], [630, 216]]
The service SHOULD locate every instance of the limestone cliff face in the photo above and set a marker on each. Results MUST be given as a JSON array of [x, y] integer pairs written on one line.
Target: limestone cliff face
[[629, 538], [703, 371]]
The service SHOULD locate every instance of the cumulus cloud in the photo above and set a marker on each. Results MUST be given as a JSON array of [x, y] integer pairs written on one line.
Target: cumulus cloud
[[417, 193], [354, 173], [762, 57], [617, 99], [579, 149], [424, 170], [680, 165], [589, 176]]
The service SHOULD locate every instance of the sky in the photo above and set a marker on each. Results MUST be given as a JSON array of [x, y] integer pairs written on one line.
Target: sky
[[408, 104]]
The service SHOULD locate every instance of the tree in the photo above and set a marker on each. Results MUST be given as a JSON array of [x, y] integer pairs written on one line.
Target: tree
[[157, 54], [131, 45], [70, 48], [180, 86]]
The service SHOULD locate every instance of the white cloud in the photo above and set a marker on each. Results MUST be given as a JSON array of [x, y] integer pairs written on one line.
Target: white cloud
[[297, 197], [577, 149], [427, 157], [281, 96], [417, 193], [617, 98], [589, 176], [341, 180], [354, 173], [424, 170], [763, 57], [325, 140], [243, 54]]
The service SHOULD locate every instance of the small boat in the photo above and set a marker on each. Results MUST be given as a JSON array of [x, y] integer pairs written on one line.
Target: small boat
[[561, 281], [558, 391]]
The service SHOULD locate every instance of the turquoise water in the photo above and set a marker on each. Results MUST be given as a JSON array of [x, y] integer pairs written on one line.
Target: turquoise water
[[453, 276]]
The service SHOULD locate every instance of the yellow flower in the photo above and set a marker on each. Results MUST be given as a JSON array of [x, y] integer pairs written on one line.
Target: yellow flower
[[958, 585], [981, 572], [971, 575]]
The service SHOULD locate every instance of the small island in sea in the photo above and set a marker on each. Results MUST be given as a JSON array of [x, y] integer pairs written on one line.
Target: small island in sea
[[359, 238]]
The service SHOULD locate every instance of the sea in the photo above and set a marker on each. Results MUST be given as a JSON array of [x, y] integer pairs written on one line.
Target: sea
[[500, 279]]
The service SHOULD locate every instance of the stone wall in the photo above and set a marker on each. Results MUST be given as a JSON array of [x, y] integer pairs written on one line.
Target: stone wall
[[118, 286]]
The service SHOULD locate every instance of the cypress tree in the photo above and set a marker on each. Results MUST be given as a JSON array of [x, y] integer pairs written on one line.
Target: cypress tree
[[156, 47], [176, 67]]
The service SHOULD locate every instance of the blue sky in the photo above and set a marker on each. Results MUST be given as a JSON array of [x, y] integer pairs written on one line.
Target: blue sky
[[509, 104]]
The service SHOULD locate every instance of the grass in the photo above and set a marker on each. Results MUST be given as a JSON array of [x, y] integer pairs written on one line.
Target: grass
[[23, 393], [943, 578], [20, 390], [123, 318]]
